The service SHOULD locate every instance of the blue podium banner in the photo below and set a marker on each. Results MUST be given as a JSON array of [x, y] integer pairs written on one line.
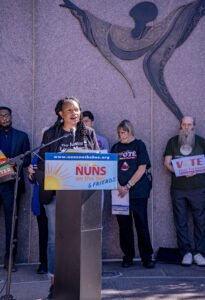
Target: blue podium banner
[[80, 171]]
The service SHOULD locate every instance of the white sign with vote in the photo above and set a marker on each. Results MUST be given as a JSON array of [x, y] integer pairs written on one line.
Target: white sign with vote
[[189, 165]]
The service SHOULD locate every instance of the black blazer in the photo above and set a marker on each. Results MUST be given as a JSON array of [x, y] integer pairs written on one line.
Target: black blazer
[[19, 145]]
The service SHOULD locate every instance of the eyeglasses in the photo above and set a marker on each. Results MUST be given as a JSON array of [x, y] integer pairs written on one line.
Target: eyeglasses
[[6, 116], [187, 124]]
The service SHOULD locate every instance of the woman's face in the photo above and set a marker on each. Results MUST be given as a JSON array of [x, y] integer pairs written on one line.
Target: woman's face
[[124, 136], [70, 113]]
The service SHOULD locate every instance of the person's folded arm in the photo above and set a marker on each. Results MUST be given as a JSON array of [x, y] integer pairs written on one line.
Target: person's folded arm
[[168, 163]]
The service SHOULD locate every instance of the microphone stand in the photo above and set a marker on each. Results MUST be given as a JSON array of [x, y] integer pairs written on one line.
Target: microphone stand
[[18, 164]]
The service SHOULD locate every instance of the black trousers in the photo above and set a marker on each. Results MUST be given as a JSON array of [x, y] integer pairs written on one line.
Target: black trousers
[[138, 212], [43, 235], [182, 200], [7, 198]]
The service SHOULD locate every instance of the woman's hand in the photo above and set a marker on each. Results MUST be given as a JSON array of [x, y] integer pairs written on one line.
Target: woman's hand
[[122, 190], [31, 172], [188, 176]]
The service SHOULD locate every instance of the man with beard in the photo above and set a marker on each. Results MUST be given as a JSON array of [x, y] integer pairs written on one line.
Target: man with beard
[[188, 191], [12, 143]]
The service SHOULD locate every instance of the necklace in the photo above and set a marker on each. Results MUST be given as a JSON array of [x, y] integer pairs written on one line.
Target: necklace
[[185, 149]]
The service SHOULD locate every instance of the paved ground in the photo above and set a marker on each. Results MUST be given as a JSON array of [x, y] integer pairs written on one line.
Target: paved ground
[[171, 282]]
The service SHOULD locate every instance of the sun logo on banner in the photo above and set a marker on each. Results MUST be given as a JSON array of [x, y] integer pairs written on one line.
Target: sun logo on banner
[[56, 178]]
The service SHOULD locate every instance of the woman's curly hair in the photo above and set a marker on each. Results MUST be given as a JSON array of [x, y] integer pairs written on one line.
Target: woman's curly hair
[[80, 132]]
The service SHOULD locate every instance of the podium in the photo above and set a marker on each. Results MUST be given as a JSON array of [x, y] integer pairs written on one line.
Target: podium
[[78, 180], [78, 245]]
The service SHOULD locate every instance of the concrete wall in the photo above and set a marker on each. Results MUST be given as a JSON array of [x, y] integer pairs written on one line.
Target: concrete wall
[[44, 56]]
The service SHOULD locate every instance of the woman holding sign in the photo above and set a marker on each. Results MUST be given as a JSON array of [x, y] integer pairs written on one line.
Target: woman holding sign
[[133, 162], [77, 136]]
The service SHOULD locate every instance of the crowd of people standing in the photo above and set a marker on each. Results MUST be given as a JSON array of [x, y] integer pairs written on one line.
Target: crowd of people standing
[[133, 164]]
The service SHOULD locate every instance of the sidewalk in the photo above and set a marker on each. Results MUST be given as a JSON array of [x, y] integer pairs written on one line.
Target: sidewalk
[[170, 282]]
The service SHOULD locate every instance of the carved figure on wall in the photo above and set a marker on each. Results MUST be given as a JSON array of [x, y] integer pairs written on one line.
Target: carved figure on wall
[[158, 41]]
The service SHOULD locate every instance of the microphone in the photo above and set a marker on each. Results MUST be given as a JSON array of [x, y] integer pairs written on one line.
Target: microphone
[[72, 131]]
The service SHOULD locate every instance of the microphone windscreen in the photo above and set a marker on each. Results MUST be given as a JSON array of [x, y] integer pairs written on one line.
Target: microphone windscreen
[[72, 131]]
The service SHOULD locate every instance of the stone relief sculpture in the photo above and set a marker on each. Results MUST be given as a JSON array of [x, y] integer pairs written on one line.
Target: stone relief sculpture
[[158, 42]]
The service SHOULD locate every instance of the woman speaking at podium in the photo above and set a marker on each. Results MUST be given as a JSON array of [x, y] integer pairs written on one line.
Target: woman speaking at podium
[[77, 136]]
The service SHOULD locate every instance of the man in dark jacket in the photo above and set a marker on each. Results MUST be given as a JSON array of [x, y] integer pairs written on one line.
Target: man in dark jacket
[[12, 143]]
